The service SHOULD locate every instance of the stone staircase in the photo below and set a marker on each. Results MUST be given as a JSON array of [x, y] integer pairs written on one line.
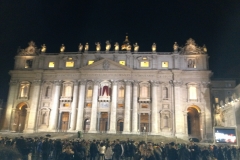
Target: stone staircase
[[97, 136]]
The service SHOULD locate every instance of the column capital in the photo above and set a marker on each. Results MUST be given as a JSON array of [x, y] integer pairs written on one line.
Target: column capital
[[96, 82], [135, 83], [58, 82], [176, 83], [205, 84], [13, 82], [37, 81], [83, 82], [114, 82], [127, 82], [155, 83], [75, 82]]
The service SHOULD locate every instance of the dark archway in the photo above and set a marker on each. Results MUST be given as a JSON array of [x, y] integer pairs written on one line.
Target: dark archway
[[120, 123], [86, 125], [193, 122]]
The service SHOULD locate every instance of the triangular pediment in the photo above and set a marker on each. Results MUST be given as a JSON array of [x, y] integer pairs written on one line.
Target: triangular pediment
[[105, 64]]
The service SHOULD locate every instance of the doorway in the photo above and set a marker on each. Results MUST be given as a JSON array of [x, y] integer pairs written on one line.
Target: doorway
[[20, 117], [65, 121], [103, 125], [193, 122]]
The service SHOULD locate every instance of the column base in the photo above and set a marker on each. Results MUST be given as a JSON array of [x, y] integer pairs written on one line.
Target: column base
[[126, 132], [28, 131], [72, 131], [92, 131], [111, 132], [182, 136]]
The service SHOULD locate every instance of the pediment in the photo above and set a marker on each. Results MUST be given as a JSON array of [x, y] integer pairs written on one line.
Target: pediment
[[105, 64]]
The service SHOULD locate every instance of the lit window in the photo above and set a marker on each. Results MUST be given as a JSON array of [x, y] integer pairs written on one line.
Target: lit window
[[144, 64], [192, 92], [144, 106], [51, 64], [164, 64], [120, 105], [89, 105], [121, 92], [68, 91], [69, 64], [191, 63], [89, 92], [144, 58], [122, 63], [90, 62], [70, 59], [66, 105]]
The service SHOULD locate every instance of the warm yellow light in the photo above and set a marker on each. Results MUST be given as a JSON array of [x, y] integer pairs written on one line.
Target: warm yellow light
[[165, 64], [90, 62], [122, 63], [66, 104], [145, 64], [144, 58], [69, 64], [51, 64], [70, 59]]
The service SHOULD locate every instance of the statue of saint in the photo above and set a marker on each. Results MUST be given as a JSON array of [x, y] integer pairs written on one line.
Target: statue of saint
[[218, 116], [136, 47], [116, 46], [175, 47], [44, 48], [80, 47], [204, 48], [62, 48], [108, 46], [154, 47], [98, 46], [129, 47], [86, 47]]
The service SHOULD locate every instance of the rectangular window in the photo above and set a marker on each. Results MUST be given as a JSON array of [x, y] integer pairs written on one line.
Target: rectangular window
[[144, 64], [70, 64], [164, 64], [66, 105], [122, 63], [216, 100], [28, 63], [120, 105], [90, 62], [51, 64], [89, 105], [192, 92], [89, 93]]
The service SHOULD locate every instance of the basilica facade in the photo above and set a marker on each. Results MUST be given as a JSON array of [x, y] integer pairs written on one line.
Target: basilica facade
[[119, 90]]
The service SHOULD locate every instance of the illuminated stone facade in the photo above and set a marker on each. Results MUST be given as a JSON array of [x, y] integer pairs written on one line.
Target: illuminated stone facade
[[114, 91]]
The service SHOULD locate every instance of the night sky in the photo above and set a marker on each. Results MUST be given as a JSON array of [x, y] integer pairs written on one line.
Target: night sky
[[214, 23]]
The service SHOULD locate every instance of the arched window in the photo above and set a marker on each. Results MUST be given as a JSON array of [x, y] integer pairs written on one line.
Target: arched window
[[48, 91]]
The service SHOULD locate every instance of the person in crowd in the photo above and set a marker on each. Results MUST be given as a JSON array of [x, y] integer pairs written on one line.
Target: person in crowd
[[109, 152], [93, 150], [183, 152], [102, 151], [117, 150], [205, 153], [172, 152]]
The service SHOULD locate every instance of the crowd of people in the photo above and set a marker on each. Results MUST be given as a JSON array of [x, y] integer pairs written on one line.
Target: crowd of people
[[80, 149]]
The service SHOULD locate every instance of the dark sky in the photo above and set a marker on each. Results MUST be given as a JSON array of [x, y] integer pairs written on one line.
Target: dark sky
[[214, 23]]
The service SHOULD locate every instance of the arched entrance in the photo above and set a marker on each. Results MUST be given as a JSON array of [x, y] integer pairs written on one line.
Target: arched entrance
[[120, 125], [86, 125], [193, 122], [20, 117]]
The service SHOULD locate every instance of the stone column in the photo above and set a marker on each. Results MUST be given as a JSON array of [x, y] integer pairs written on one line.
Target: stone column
[[135, 111], [202, 125], [81, 101], [139, 122], [93, 122], [59, 121], [12, 95], [208, 116], [74, 107], [98, 121], [12, 120], [185, 122], [55, 105], [127, 112], [113, 108], [27, 119], [154, 116], [31, 120]]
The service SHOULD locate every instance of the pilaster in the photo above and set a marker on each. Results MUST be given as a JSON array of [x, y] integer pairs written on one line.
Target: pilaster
[[74, 107], [127, 109], [154, 108], [135, 108]]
